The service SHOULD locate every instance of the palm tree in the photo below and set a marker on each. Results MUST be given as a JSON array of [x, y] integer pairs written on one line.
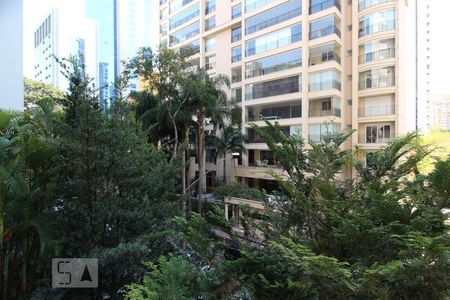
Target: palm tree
[[229, 139], [207, 99]]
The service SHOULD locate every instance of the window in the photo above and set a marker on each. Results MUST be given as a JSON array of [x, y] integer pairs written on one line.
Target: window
[[210, 23], [236, 34], [318, 131], [326, 104], [273, 16], [277, 111], [251, 5], [210, 62], [276, 87], [163, 29], [275, 63], [324, 26], [236, 74], [236, 94], [377, 22], [325, 52], [319, 5], [321, 81], [378, 134], [236, 11], [377, 78], [377, 50], [322, 107], [191, 48], [177, 4], [274, 40], [363, 4], [210, 44], [236, 54], [210, 6], [184, 17], [185, 34]]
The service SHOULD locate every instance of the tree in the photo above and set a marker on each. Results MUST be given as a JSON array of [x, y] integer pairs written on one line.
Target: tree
[[208, 100], [381, 235], [230, 139], [175, 278], [36, 91]]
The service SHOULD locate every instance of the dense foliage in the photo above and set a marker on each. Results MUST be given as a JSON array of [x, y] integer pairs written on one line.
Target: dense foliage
[[380, 235], [82, 183], [239, 190]]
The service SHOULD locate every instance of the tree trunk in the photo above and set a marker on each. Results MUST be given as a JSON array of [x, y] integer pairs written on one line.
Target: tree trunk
[[183, 184], [225, 169], [201, 160]]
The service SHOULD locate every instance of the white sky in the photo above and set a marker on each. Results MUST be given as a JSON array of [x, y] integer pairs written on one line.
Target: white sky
[[35, 11]]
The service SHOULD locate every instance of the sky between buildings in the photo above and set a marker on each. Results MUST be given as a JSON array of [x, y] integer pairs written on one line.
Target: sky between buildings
[[35, 11]]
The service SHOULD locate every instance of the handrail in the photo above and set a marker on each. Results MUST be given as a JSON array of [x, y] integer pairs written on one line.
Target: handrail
[[318, 33], [377, 55], [273, 21], [324, 5]]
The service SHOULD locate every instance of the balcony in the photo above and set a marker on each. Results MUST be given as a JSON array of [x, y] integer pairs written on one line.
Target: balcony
[[373, 139], [376, 111], [314, 8], [274, 44], [363, 4], [324, 85], [254, 138], [274, 21], [274, 112], [324, 57], [324, 107], [377, 55], [376, 134], [315, 34], [377, 82], [376, 27]]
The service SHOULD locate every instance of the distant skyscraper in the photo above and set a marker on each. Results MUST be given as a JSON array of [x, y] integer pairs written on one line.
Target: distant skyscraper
[[11, 52], [124, 26], [104, 13], [133, 30], [56, 37]]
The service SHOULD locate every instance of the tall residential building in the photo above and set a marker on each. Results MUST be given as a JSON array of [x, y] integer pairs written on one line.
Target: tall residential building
[[63, 33], [312, 66], [11, 53]]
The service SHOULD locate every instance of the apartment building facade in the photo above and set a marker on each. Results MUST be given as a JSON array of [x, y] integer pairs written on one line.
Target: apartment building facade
[[312, 66]]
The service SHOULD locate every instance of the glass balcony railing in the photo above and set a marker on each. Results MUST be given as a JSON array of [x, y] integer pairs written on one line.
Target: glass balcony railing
[[324, 85], [377, 55], [315, 34], [377, 82], [374, 111], [375, 139], [274, 44], [324, 5], [274, 21], [376, 27], [363, 4], [324, 57]]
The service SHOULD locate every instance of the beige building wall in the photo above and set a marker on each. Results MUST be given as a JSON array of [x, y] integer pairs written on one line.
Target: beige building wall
[[380, 106]]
